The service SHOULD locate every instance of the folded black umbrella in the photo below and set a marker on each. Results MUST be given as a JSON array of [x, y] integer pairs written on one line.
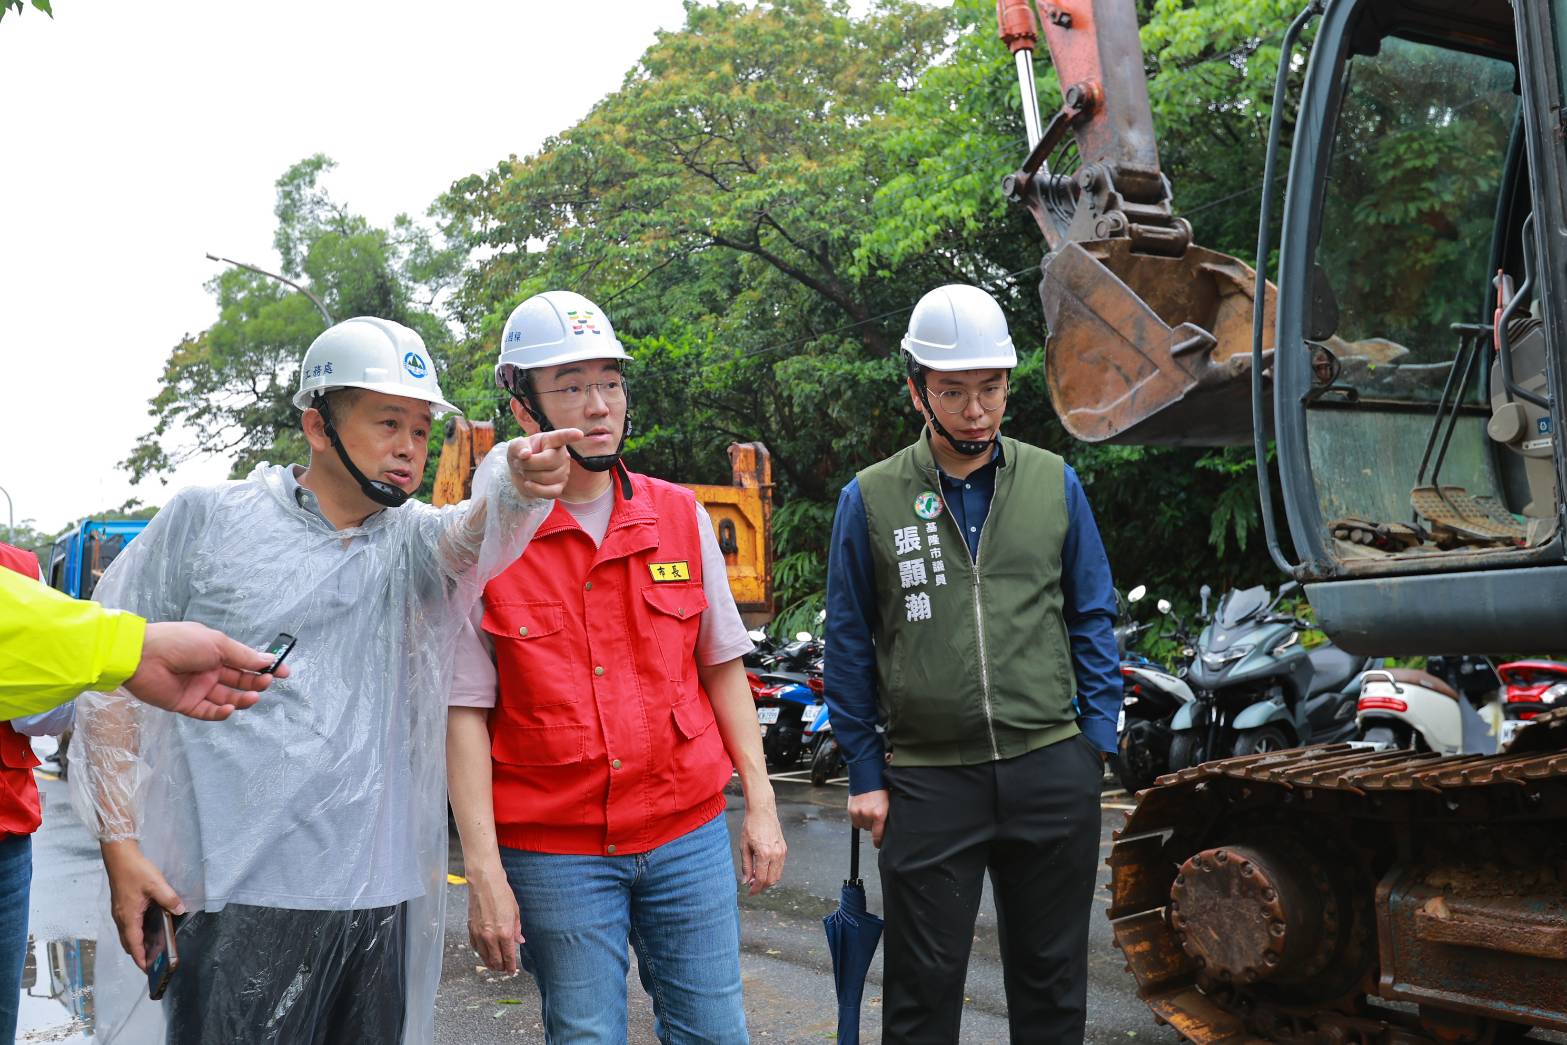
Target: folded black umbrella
[[852, 936]]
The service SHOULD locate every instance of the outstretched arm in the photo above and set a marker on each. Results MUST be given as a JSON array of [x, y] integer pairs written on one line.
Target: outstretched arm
[[512, 490]]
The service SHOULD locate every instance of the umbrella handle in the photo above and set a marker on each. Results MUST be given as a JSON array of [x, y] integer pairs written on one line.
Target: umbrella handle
[[854, 854]]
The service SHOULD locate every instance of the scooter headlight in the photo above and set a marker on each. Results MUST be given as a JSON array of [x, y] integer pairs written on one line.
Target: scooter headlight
[[1229, 656], [1556, 694]]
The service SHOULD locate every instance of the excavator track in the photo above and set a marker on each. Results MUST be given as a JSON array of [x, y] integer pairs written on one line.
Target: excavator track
[[1342, 894]]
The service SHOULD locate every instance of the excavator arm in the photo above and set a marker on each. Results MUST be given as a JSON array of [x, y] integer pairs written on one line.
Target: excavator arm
[[1149, 336]]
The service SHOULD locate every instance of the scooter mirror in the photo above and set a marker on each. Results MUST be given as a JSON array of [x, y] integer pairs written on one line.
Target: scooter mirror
[[802, 636], [1164, 606], [1137, 593], [757, 635], [821, 615], [1206, 592]]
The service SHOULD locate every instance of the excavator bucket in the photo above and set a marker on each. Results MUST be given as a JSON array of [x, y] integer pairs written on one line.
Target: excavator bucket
[[1151, 350]]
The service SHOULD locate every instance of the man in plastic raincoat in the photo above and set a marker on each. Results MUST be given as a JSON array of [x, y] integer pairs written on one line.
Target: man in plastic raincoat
[[304, 840], [53, 647]]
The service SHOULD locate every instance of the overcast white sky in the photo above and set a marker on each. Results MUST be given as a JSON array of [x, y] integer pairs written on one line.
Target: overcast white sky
[[136, 137]]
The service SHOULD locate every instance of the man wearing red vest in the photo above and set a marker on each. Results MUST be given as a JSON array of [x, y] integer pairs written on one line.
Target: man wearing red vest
[[598, 711]]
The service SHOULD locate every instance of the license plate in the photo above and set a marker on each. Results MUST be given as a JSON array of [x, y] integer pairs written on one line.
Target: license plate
[[1510, 729], [767, 716], [1120, 721], [808, 715]]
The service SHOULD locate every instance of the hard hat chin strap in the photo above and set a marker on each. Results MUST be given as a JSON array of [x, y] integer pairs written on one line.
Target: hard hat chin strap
[[596, 462], [384, 494], [966, 447]]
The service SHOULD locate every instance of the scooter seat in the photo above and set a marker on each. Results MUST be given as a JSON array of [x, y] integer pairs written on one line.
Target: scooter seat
[[1332, 669], [1423, 679]]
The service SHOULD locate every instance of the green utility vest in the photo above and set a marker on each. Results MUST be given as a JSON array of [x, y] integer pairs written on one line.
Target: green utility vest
[[973, 660]]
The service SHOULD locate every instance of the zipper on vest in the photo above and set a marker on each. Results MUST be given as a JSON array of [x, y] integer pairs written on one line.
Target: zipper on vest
[[979, 618]]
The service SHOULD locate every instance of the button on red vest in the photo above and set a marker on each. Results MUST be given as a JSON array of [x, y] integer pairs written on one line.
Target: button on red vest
[[20, 813], [603, 739]]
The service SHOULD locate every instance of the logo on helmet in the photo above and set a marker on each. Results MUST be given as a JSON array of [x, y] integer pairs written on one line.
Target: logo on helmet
[[413, 362], [582, 321], [927, 505]]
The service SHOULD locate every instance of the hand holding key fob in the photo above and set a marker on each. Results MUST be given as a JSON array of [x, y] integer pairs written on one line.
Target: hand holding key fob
[[279, 648]]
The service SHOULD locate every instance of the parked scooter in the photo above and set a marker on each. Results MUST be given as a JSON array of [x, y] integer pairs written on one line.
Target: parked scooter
[[1257, 688], [1533, 687], [826, 756], [1454, 707], [788, 695], [784, 710], [1150, 697]]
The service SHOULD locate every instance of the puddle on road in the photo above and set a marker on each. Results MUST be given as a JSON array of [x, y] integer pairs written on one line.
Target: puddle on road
[[57, 996]]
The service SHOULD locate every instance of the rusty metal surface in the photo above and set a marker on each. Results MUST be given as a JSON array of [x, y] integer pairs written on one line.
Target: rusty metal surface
[[1467, 855], [1458, 517], [1245, 916], [464, 447], [1150, 350], [1473, 940]]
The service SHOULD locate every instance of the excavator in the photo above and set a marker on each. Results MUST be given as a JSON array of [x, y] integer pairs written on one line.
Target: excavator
[[1406, 365]]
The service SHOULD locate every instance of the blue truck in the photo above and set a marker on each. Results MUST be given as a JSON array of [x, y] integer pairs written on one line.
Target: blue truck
[[79, 557]]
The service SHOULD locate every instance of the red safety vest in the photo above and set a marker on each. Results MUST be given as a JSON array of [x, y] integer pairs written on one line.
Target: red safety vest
[[603, 740], [20, 812]]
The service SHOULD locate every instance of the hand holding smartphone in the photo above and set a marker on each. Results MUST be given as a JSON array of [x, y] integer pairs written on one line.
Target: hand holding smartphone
[[163, 955]]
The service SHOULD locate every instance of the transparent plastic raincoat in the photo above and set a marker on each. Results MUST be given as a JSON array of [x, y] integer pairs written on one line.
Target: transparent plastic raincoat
[[306, 836]]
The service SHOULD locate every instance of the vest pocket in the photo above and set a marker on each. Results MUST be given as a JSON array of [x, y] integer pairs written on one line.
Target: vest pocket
[[533, 651], [693, 717], [675, 615], [538, 745], [16, 751]]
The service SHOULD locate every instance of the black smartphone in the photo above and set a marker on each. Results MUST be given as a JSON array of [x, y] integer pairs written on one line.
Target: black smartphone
[[279, 649], [163, 955]]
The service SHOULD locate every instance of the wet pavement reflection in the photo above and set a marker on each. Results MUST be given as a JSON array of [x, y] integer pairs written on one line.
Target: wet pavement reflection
[[57, 1000]]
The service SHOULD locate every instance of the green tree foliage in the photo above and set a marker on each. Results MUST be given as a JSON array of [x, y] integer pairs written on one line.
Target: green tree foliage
[[1416, 169], [226, 390], [7, 6], [758, 207]]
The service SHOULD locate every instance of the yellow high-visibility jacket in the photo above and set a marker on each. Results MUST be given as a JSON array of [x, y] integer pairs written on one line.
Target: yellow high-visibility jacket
[[53, 647]]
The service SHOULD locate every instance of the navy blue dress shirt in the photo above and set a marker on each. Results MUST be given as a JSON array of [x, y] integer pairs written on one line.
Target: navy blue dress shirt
[[1088, 600]]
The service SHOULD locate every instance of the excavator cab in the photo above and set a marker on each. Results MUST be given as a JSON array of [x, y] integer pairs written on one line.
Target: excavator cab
[[1420, 306], [1419, 311]]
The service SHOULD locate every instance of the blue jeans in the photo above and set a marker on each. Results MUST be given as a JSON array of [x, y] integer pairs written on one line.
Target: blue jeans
[[16, 879], [675, 905]]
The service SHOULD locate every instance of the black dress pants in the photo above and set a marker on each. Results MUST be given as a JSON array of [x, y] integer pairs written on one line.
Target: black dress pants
[[1033, 823]]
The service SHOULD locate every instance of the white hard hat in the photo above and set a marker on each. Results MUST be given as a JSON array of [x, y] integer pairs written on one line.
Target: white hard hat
[[376, 354], [554, 328], [958, 327]]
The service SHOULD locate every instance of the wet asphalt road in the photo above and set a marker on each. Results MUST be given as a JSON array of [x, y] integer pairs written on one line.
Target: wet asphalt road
[[787, 973]]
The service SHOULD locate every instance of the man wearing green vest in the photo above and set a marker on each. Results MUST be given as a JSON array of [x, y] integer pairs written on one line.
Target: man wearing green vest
[[974, 685]]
